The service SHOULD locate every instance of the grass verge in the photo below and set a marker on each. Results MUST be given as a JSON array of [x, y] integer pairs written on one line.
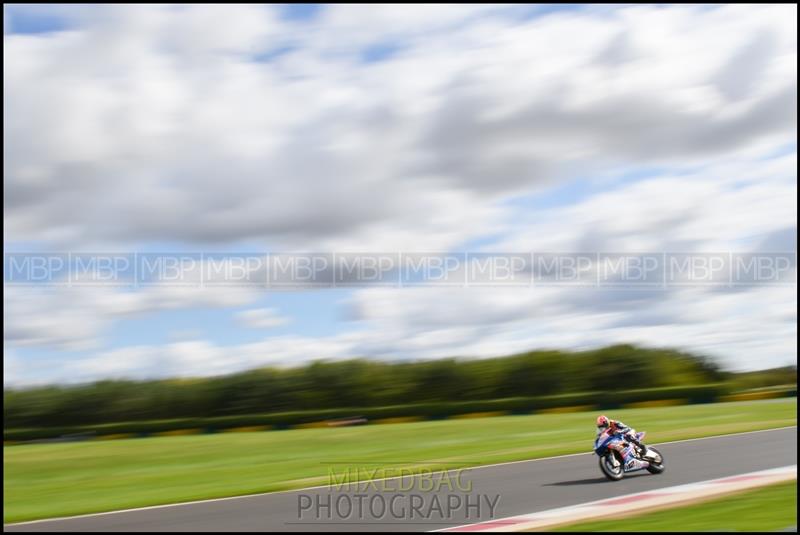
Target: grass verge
[[771, 508]]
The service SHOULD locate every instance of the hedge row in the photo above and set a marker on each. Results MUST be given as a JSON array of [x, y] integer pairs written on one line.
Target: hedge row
[[364, 383], [438, 410], [779, 392]]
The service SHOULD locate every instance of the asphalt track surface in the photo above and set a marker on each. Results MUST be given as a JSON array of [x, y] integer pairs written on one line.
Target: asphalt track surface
[[513, 488]]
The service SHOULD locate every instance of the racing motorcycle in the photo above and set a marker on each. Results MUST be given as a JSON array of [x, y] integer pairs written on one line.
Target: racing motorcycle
[[620, 456]]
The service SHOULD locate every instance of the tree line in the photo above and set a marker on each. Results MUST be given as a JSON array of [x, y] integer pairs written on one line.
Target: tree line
[[363, 383]]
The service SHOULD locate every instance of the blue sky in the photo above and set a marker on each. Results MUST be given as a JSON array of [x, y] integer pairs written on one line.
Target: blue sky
[[310, 313], [349, 128], [33, 19]]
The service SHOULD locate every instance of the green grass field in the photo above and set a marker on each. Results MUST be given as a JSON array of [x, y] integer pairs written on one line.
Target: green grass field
[[772, 508], [46, 480]]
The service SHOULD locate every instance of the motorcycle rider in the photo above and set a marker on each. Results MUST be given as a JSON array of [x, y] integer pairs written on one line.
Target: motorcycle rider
[[616, 427]]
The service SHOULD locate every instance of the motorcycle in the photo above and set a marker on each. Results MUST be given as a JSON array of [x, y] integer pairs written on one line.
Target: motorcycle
[[619, 456]]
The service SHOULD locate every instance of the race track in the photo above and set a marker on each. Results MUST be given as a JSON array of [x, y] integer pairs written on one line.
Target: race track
[[494, 491]]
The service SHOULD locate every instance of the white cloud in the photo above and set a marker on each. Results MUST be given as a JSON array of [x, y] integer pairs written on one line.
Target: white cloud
[[197, 125], [724, 206], [76, 318], [152, 122], [261, 318]]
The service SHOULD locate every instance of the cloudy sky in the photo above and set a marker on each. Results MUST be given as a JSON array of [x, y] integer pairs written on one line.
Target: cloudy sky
[[392, 128]]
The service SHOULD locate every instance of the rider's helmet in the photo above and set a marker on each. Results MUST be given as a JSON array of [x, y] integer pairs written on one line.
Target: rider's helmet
[[602, 422]]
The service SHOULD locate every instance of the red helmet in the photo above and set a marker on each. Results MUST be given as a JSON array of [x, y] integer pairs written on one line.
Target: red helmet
[[602, 421]]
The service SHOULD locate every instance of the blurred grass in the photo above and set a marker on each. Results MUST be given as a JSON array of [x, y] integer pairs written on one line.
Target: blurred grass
[[47, 480], [771, 508]]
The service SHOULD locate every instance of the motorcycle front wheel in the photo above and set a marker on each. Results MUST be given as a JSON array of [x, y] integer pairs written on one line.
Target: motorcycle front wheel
[[614, 473], [657, 464]]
